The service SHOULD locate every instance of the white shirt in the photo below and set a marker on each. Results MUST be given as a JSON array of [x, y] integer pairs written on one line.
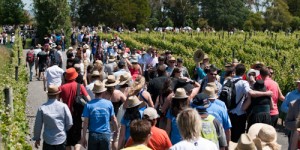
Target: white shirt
[[54, 75], [242, 88], [200, 144], [88, 55], [89, 89]]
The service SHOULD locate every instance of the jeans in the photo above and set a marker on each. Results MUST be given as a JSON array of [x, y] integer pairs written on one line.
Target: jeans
[[30, 70], [98, 141], [54, 147]]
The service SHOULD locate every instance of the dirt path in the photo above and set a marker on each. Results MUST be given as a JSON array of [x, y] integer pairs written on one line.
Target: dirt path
[[35, 98]]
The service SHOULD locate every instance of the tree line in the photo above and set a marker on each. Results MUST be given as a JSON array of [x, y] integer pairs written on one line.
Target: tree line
[[248, 15]]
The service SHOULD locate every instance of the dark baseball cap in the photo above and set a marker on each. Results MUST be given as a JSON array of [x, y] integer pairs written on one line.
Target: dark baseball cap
[[201, 102]]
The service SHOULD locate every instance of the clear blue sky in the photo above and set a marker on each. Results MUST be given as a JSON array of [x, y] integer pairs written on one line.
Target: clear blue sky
[[27, 4]]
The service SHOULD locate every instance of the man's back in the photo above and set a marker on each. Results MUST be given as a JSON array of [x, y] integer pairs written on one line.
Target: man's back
[[54, 75], [42, 57], [57, 120]]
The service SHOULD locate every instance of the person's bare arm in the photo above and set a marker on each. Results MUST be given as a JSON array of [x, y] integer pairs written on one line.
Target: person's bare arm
[[168, 127], [247, 103], [167, 103], [149, 99], [83, 140], [195, 91], [280, 95], [121, 137], [259, 94], [115, 129], [228, 135]]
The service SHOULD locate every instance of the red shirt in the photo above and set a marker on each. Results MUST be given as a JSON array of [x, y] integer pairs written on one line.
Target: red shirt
[[271, 85], [159, 140], [68, 93]]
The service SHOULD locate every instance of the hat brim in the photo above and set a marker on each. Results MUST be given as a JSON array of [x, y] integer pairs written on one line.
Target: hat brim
[[232, 145], [179, 97], [136, 104], [111, 60], [110, 84], [215, 96], [73, 77], [100, 91], [54, 93]]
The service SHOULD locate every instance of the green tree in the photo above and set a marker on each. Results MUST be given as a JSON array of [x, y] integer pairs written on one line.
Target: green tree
[[168, 23], [255, 21], [224, 14], [294, 7], [295, 23], [52, 15], [12, 12], [277, 16]]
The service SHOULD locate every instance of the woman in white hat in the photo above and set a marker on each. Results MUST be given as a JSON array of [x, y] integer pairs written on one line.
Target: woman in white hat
[[133, 111], [179, 103]]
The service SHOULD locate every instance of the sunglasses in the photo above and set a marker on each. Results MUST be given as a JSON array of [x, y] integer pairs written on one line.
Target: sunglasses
[[172, 62], [213, 74]]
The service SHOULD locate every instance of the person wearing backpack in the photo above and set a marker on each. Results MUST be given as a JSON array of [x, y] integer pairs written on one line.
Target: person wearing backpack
[[30, 57], [242, 89]]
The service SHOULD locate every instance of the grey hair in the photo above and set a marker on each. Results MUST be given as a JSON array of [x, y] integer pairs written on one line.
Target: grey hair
[[189, 124]]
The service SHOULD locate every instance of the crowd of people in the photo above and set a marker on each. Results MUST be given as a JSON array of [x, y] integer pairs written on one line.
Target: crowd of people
[[140, 99]]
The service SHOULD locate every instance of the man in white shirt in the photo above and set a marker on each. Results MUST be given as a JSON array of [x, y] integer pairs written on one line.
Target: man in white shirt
[[53, 76]]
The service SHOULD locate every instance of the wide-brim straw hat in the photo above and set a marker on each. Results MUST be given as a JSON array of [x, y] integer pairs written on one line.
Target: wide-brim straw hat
[[99, 87], [95, 73], [71, 74], [264, 135], [85, 46], [111, 58], [110, 81], [235, 61], [39, 46], [198, 55], [244, 143], [180, 94], [53, 90], [133, 101], [70, 48], [124, 78], [210, 92]]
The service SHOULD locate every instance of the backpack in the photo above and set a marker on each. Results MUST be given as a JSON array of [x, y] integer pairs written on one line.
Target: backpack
[[79, 102], [228, 94], [30, 57]]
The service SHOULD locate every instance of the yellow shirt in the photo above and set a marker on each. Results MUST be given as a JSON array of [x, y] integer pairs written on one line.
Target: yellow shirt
[[137, 147]]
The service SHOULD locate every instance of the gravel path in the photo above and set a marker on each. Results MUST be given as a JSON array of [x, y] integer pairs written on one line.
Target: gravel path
[[35, 98]]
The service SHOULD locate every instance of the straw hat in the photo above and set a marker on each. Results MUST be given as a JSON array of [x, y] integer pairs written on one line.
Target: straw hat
[[198, 55], [111, 58], [95, 73], [133, 101], [205, 57], [39, 46], [180, 94], [53, 90], [213, 85], [85, 46], [70, 48], [244, 143], [110, 81], [210, 92], [172, 59], [99, 87], [124, 78], [264, 135], [71, 74], [235, 61]]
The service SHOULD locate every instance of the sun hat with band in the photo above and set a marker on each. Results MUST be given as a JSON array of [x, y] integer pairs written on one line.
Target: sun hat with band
[[150, 113], [210, 92], [264, 136], [133, 101], [99, 87], [71, 74], [95, 73], [180, 94], [110, 81], [244, 143], [111, 58], [53, 90], [124, 79]]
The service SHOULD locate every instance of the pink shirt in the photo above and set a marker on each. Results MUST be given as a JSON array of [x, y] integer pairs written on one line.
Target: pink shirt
[[271, 85]]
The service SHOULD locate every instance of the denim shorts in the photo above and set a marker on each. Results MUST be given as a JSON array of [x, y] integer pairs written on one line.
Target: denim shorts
[[98, 141]]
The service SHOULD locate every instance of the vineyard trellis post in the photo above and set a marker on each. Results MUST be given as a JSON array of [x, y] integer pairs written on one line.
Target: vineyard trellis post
[[8, 94], [16, 73]]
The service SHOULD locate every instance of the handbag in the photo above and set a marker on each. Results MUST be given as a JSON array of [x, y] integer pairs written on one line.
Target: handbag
[[79, 102]]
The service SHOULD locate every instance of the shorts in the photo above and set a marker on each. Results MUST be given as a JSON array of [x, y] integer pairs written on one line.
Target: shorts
[[42, 67], [74, 134]]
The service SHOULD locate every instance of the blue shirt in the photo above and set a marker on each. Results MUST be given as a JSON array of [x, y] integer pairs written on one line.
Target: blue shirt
[[291, 96], [220, 113], [175, 135], [200, 72], [56, 118], [126, 123], [220, 103], [99, 112]]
